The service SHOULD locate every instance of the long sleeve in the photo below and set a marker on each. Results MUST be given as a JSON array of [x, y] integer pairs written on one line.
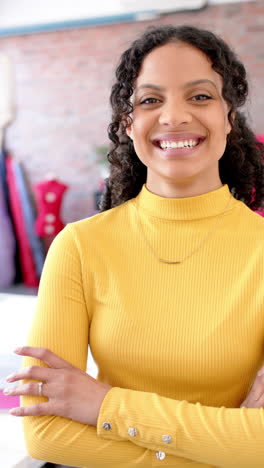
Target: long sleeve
[[61, 323], [224, 437]]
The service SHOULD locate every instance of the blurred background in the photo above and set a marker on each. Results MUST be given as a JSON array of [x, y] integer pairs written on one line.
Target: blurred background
[[57, 61]]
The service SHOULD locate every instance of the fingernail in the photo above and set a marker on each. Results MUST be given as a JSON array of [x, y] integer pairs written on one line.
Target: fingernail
[[17, 350], [6, 391], [14, 411], [10, 377], [260, 372]]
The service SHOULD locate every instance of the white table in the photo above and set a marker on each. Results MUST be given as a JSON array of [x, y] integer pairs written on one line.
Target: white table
[[16, 312]]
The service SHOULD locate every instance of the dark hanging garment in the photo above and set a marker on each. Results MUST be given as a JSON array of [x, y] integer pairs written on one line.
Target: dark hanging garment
[[28, 213], [29, 274], [7, 245], [3, 179]]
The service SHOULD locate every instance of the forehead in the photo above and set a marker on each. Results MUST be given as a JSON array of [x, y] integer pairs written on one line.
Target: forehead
[[177, 63]]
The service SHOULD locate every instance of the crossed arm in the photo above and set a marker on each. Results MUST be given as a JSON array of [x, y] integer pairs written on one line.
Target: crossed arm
[[66, 426], [76, 404]]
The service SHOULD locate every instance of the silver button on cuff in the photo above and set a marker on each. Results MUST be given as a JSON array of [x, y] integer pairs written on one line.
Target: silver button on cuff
[[160, 455], [132, 431], [106, 426], [166, 438]]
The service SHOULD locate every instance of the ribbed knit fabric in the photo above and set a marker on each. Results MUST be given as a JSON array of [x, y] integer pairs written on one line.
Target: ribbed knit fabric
[[180, 344]]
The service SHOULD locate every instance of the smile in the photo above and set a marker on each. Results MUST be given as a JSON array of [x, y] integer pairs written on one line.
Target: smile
[[179, 146]]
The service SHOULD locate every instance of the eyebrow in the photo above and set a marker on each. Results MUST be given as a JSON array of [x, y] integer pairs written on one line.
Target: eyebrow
[[186, 85]]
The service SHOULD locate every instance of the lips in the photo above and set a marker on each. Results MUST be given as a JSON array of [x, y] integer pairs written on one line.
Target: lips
[[178, 137]]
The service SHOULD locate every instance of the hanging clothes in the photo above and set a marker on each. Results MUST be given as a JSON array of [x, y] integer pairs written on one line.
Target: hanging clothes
[[29, 274], [7, 245], [18, 272], [29, 216]]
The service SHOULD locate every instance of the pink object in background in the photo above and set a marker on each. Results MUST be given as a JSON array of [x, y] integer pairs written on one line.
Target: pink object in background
[[29, 274], [8, 402], [49, 194], [260, 138]]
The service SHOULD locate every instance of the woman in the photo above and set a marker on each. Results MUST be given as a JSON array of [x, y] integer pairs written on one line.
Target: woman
[[166, 284]]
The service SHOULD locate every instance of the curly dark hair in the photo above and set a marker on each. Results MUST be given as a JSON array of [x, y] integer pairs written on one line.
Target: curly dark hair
[[241, 166]]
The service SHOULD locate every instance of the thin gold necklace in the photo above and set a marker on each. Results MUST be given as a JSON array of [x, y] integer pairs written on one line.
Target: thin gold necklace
[[172, 262]]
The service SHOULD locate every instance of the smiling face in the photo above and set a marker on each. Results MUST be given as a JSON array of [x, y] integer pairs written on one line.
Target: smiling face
[[180, 121]]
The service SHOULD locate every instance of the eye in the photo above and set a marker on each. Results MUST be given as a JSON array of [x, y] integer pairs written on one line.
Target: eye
[[201, 97], [149, 100]]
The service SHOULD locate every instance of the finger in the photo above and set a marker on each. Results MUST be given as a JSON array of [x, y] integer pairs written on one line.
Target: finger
[[261, 372], [31, 372], [260, 402], [249, 403], [258, 388], [33, 410], [31, 388], [45, 355]]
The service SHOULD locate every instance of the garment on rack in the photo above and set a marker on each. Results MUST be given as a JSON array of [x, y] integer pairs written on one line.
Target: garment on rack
[[29, 274], [3, 177], [7, 245], [29, 216]]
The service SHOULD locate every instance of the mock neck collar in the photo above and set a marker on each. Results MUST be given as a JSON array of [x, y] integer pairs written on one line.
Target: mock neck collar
[[197, 207]]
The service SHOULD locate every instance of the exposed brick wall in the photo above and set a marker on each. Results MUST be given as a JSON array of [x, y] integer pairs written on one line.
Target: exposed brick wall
[[63, 85]]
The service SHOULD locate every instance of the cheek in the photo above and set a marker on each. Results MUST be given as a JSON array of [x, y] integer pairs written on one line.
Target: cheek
[[217, 125], [139, 131], [144, 123]]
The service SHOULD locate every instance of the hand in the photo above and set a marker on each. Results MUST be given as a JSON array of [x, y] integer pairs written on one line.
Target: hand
[[70, 392], [255, 398]]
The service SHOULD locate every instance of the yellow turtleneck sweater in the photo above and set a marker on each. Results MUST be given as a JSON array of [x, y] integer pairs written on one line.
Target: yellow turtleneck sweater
[[180, 344]]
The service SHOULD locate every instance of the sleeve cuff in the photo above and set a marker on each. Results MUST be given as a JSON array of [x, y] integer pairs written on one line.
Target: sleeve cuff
[[121, 418]]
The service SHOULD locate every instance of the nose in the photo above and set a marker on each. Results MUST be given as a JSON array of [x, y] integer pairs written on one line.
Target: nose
[[174, 113]]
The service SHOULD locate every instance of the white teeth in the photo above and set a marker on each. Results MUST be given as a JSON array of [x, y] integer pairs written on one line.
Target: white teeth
[[178, 144]]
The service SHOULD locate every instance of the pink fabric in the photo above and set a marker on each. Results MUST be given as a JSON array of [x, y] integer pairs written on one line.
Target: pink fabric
[[49, 196], [29, 274], [8, 402]]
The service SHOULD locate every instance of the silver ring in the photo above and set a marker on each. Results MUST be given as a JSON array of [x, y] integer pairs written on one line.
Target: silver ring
[[40, 385]]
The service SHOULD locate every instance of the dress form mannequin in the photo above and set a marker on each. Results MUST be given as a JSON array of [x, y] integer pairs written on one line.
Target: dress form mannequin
[[49, 194]]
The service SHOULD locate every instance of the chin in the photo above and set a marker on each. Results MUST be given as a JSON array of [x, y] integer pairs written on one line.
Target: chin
[[180, 177]]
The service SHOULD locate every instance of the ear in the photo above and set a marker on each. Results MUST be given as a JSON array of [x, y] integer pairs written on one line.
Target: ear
[[229, 126], [129, 131]]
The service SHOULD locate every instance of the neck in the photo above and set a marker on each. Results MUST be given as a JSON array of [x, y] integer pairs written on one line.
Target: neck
[[183, 189]]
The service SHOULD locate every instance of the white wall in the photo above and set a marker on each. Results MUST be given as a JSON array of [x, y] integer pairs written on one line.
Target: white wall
[[18, 13]]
